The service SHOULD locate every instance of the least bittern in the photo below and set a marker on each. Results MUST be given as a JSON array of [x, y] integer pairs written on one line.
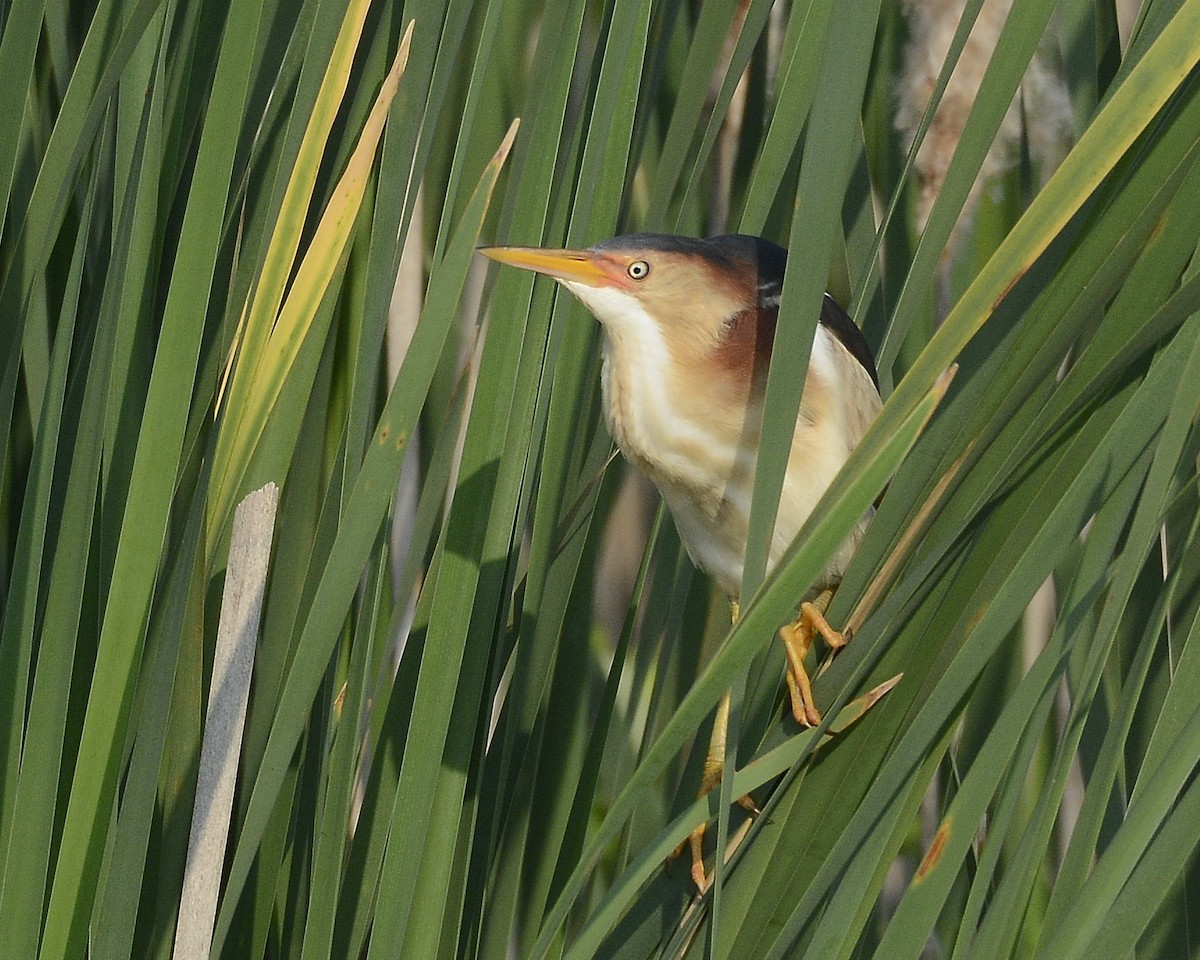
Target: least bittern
[[688, 330]]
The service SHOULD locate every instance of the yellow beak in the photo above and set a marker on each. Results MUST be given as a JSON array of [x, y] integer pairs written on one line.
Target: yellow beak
[[578, 266]]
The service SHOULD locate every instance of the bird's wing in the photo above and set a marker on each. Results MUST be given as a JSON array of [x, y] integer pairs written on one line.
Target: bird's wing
[[846, 332]]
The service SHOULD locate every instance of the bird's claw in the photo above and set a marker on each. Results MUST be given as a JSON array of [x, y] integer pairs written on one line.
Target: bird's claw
[[797, 638], [695, 840]]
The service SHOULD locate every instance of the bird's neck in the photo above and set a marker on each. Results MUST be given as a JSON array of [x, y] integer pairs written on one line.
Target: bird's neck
[[695, 443], [628, 387]]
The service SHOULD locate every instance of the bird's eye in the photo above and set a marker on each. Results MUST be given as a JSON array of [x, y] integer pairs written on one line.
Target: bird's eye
[[638, 270]]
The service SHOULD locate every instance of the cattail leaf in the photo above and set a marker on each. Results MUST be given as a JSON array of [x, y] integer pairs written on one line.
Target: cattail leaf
[[273, 342]]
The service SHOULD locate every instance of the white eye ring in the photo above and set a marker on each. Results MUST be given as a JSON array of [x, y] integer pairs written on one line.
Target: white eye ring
[[638, 270]]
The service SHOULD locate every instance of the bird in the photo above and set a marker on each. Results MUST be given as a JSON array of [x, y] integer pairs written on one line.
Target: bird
[[688, 327]]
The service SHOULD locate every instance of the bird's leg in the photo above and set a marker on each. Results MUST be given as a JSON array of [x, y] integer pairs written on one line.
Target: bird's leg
[[714, 767], [797, 638]]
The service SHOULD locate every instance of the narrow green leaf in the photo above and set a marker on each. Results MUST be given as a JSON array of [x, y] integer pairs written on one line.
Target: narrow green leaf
[[151, 488], [273, 342], [364, 512]]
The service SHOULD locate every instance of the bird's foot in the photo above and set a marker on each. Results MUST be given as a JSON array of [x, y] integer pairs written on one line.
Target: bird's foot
[[797, 638], [695, 840]]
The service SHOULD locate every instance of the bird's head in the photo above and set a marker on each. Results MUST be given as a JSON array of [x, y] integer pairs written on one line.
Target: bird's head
[[711, 303]]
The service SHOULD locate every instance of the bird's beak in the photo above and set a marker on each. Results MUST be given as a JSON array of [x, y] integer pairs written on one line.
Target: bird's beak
[[576, 266]]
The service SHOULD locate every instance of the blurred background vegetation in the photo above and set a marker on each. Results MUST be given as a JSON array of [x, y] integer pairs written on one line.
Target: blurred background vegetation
[[485, 668]]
